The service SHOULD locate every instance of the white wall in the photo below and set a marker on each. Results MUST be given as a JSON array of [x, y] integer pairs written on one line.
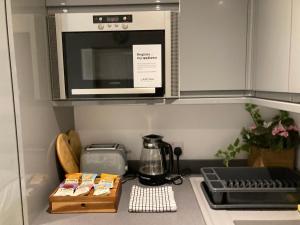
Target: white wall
[[202, 129]]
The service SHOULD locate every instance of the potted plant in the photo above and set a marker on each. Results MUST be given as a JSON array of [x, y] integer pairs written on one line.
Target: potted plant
[[269, 143]]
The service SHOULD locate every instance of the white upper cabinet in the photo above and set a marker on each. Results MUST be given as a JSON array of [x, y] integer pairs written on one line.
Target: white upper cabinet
[[272, 34], [295, 49], [213, 43]]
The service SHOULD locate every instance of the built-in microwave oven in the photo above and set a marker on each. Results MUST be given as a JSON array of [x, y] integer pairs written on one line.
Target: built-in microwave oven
[[113, 55]]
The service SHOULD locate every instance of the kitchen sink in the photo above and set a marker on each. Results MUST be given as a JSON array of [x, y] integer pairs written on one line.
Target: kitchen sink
[[241, 217]]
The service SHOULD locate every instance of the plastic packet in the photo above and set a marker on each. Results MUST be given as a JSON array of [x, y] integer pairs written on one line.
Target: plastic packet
[[108, 177], [83, 189], [106, 183], [88, 178], [72, 178], [100, 190], [66, 189], [64, 192], [68, 185], [107, 180]]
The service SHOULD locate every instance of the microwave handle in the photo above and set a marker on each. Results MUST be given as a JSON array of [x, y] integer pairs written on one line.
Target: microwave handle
[[106, 91]]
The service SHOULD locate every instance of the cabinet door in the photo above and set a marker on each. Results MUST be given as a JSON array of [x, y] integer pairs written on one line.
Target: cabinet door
[[10, 203], [272, 35], [212, 36], [295, 49]]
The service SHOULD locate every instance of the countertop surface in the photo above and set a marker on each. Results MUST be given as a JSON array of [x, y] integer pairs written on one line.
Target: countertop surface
[[188, 212]]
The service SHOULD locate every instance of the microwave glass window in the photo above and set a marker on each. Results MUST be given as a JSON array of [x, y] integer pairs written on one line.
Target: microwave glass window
[[104, 60], [106, 64]]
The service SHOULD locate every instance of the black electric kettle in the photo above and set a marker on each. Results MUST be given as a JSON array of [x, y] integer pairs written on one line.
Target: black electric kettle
[[154, 166]]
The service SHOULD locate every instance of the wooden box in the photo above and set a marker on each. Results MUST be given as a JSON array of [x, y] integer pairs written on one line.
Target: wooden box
[[87, 203]]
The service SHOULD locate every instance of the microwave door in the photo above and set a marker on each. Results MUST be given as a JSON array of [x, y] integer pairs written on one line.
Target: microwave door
[[100, 64], [93, 58]]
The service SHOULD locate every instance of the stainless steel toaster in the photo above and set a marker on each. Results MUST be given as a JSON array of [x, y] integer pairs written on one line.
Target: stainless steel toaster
[[104, 158]]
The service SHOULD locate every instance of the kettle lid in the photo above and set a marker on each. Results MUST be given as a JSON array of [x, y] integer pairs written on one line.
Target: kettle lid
[[153, 138]]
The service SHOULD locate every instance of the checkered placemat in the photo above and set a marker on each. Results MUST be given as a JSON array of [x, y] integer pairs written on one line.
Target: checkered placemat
[[152, 199]]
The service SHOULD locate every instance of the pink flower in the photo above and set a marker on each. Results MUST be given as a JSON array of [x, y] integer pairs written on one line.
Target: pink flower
[[280, 130], [253, 127], [275, 131], [284, 134]]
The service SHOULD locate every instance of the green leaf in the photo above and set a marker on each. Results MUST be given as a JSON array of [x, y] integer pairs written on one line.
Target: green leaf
[[231, 147], [237, 142], [226, 163], [232, 154]]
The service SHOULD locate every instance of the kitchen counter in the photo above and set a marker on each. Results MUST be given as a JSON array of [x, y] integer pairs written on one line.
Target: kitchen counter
[[188, 212]]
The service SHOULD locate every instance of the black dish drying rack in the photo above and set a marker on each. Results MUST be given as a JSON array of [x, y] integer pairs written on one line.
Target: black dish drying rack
[[246, 187]]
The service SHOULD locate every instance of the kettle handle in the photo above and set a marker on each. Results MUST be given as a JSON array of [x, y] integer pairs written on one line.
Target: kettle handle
[[167, 149]]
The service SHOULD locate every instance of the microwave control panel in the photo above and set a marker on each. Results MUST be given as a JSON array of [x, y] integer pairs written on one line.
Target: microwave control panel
[[112, 19]]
